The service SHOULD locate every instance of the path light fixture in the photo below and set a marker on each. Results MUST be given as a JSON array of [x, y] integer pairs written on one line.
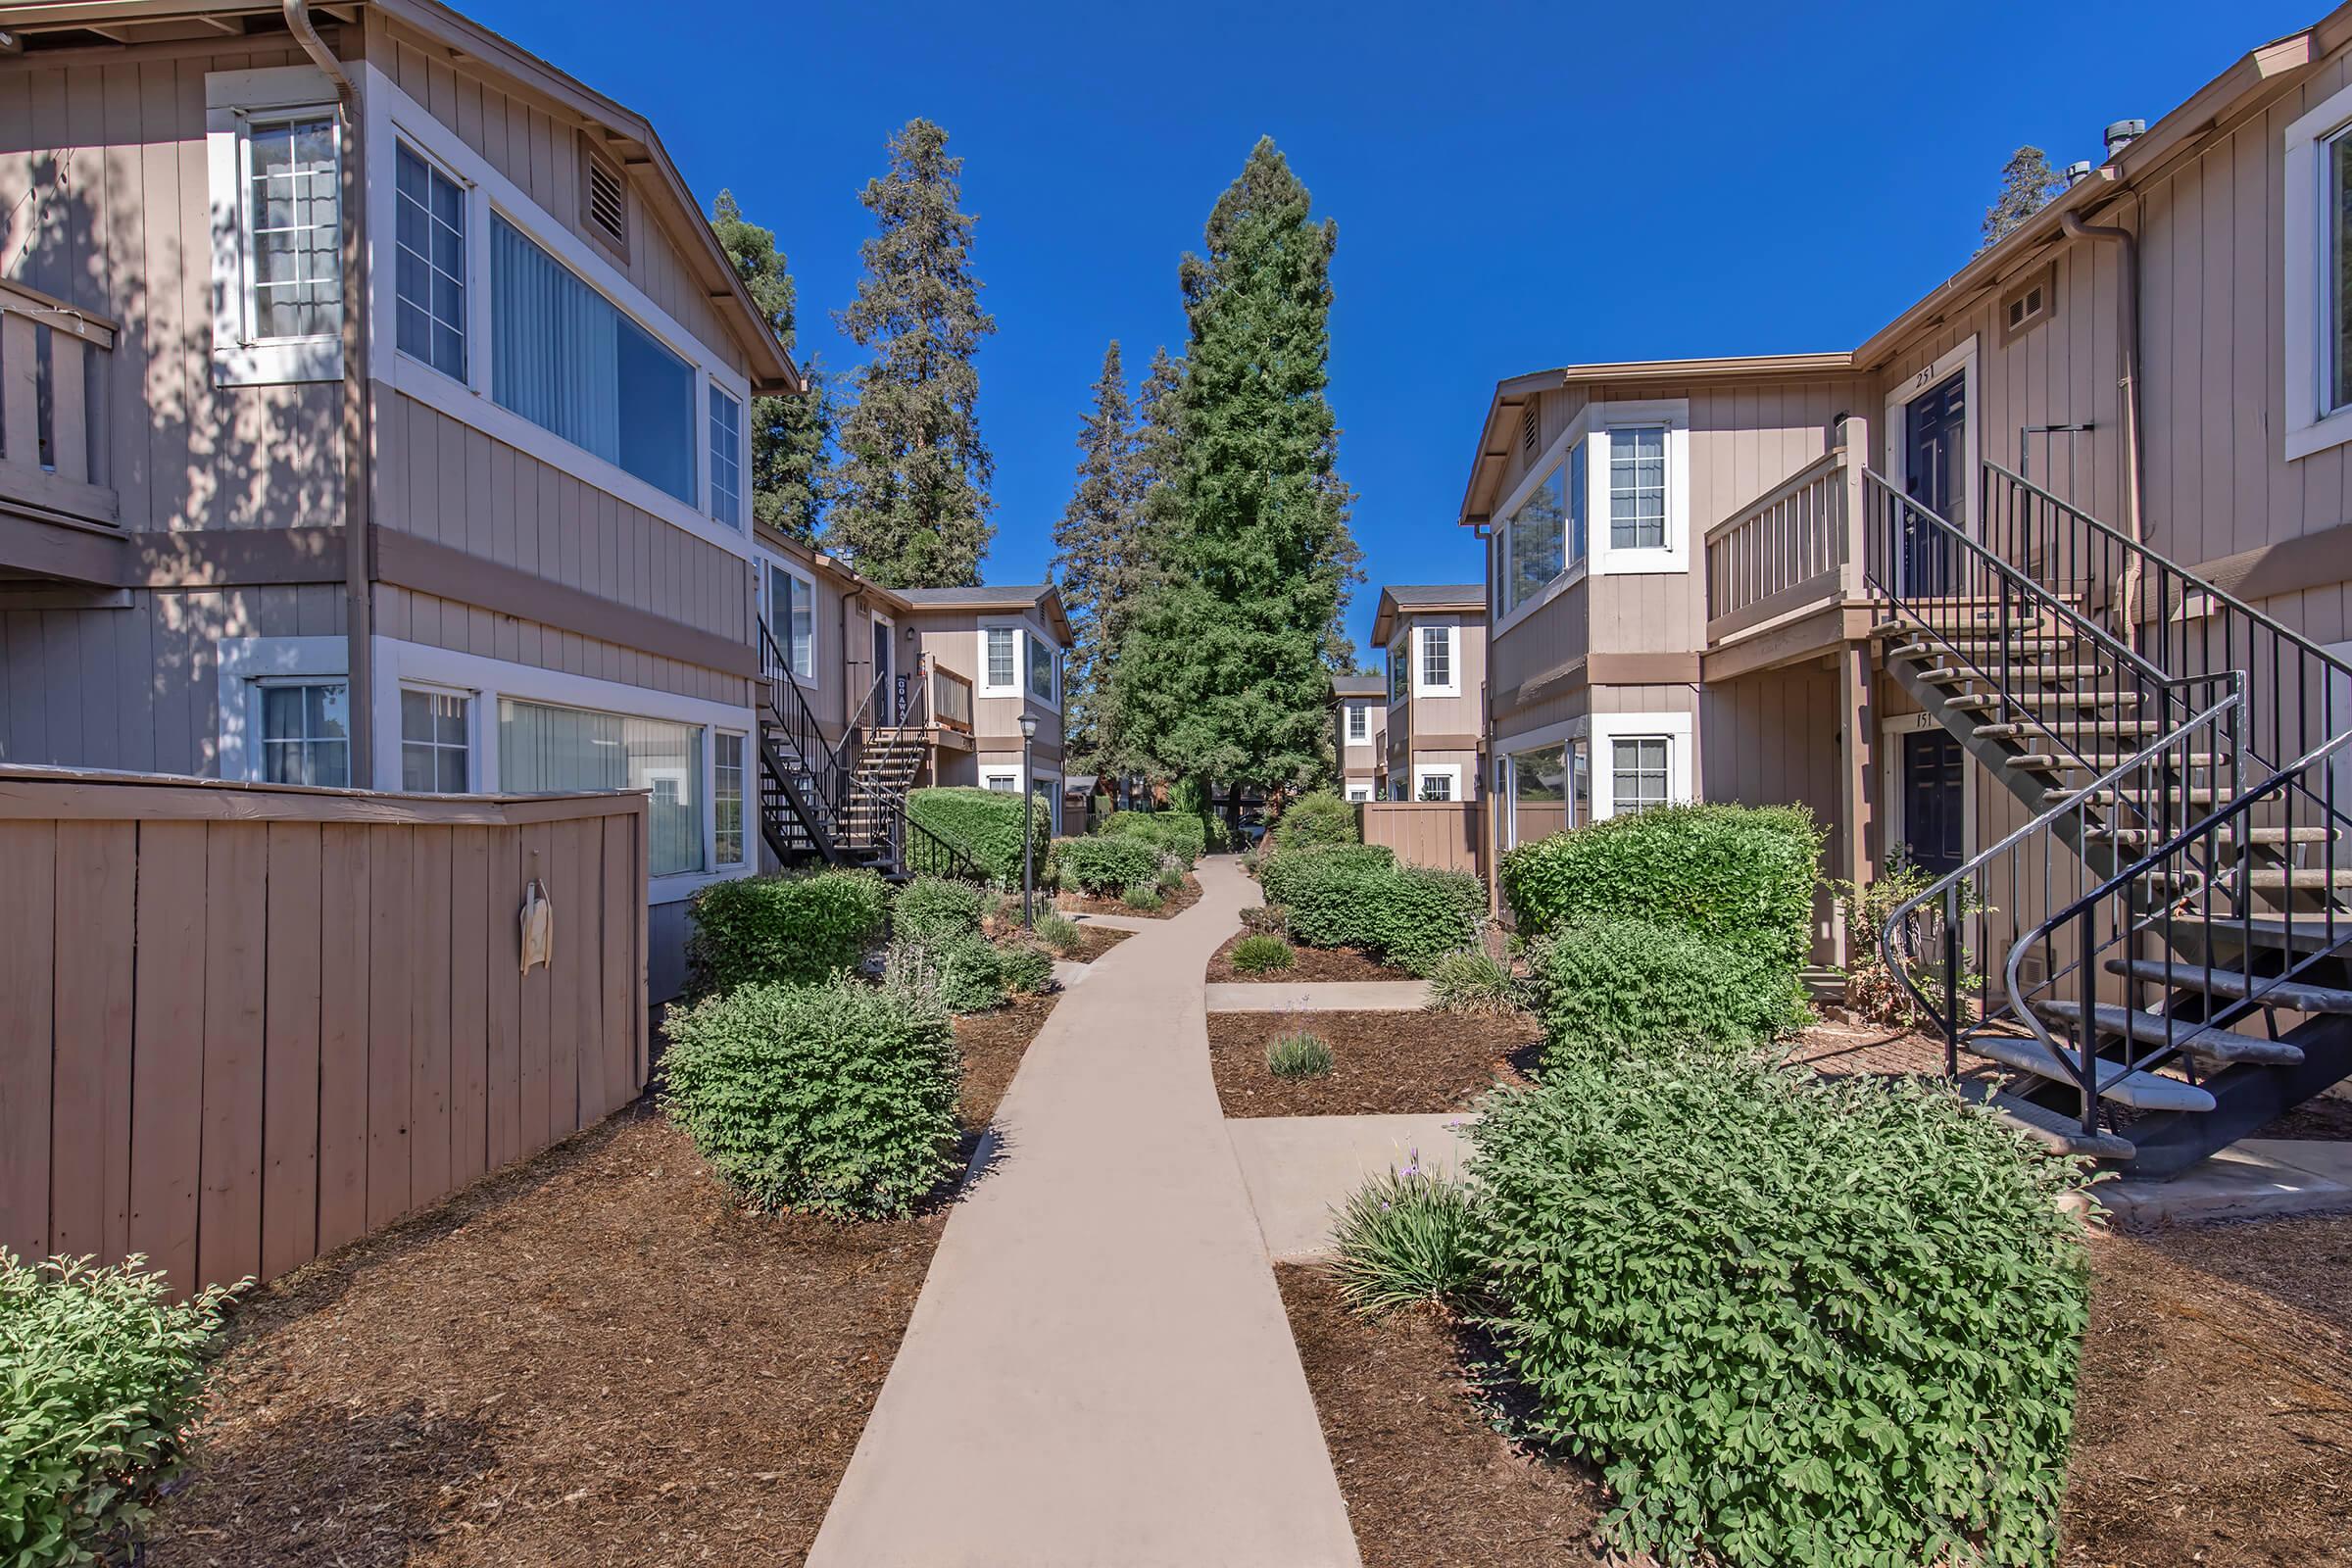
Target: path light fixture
[[1028, 816]]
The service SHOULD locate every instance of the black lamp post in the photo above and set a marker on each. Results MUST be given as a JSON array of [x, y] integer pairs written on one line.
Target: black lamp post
[[1028, 816]]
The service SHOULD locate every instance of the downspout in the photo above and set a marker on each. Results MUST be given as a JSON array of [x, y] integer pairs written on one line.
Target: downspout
[[358, 621], [2127, 383]]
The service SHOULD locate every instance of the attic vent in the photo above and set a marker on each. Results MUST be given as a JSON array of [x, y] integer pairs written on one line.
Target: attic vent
[[604, 199], [1527, 431], [2028, 303]]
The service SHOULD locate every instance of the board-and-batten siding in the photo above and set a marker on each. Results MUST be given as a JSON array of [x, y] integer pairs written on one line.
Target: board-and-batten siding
[[1774, 738], [138, 688], [104, 181], [541, 154]]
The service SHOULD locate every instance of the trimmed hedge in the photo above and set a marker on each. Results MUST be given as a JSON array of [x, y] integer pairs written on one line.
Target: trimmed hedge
[[1105, 864], [837, 1099], [1628, 986], [937, 907], [1280, 875], [101, 1374], [986, 824], [1179, 833], [1313, 819], [1791, 1319], [1403, 914], [794, 928], [1737, 875]]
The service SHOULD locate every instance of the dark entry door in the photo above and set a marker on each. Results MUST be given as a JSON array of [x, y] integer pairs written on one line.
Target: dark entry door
[[1934, 835], [1934, 424]]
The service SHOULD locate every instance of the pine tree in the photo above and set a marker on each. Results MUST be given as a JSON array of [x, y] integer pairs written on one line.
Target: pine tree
[[787, 433], [2027, 183], [1093, 546], [1223, 675], [910, 497]]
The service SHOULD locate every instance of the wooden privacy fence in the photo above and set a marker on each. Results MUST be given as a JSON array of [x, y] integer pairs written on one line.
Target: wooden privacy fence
[[1443, 835], [241, 1025]]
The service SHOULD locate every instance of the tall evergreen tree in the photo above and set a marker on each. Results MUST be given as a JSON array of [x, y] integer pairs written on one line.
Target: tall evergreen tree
[[910, 497], [787, 433], [1224, 672], [2027, 183], [1096, 548]]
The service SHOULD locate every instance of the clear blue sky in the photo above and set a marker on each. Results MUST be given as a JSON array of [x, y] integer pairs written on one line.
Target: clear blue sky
[[1517, 187]]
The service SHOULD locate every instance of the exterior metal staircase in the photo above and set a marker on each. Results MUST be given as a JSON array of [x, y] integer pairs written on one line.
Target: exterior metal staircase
[[2170, 918], [844, 803]]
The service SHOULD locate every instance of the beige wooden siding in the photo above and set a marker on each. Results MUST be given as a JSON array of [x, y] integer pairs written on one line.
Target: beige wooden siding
[[1449, 715], [416, 617], [953, 638], [1775, 739], [540, 153], [103, 175], [138, 688]]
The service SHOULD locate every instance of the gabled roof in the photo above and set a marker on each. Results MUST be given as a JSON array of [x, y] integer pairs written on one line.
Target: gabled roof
[[1044, 598], [628, 136], [1398, 600]]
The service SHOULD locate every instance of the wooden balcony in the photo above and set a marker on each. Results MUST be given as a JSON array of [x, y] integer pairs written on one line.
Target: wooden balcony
[[1785, 572], [58, 515], [950, 702]]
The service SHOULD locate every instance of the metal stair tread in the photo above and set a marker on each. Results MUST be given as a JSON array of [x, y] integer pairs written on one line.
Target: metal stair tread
[[2148, 1029], [2052, 1129], [2302, 878], [2296, 995], [2118, 727], [1971, 701], [2141, 1090]]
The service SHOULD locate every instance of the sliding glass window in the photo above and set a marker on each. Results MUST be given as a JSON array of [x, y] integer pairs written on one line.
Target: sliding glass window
[[544, 748]]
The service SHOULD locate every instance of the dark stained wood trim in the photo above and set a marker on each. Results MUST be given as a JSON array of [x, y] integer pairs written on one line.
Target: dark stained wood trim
[[1545, 684], [234, 557], [1807, 637], [1446, 743], [2313, 561], [1643, 669], [426, 566], [73, 552]]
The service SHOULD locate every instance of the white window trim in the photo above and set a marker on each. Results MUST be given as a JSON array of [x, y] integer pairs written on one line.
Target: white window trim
[[2307, 430], [1359, 791], [1963, 359], [1451, 772], [1352, 711], [230, 98], [1609, 728], [475, 276], [473, 725], [749, 802], [1451, 627], [244, 662], [1610, 560], [393, 116], [1541, 470], [781, 627], [742, 458], [981, 684]]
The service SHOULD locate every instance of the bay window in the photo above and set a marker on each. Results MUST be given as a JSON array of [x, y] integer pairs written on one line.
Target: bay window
[[1041, 668], [727, 797], [1359, 723], [544, 748], [791, 620], [567, 360], [1638, 488], [1396, 669], [1001, 673], [727, 458], [1543, 536], [429, 282], [1437, 660], [1539, 804]]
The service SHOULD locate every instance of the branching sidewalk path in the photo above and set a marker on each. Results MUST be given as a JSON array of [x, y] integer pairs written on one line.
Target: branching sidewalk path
[[1098, 1372]]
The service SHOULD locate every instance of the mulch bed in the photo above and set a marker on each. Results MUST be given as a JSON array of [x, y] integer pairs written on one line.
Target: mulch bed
[[2212, 1423], [595, 1356], [1383, 1063], [1100, 939], [1172, 904], [1313, 964]]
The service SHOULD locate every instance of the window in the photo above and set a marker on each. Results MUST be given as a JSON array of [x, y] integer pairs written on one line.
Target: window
[[433, 742], [1638, 773], [543, 749], [1539, 802], [1002, 783], [306, 732], [430, 282], [1436, 662], [727, 797], [2338, 243], [1638, 488], [1359, 723], [1396, 787], [1396, 667], [2315, 278], [792, 618], [1580, 784], [1041, 668], [1359, 791], [1545, 536], [726, 459], [1003, 650], [569, 360], [1434, 783], [293, 228]]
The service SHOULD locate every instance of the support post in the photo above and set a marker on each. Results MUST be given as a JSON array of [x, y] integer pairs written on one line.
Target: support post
[[1855, 758]]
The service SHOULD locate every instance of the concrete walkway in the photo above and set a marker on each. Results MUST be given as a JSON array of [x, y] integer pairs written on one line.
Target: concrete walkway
[[1299, 1169], [1319, 995], [1099, 1371]]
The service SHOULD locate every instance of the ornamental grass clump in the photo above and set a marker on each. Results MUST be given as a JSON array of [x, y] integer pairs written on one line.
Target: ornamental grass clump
[[1143, 895], [938, 907], [1264, 954], [1470, 982], [1615, 986], [954, 974], [1102, 865], [795, 928], [100, 1377], [1408, 1238], [1024, 971], [1299, 1055], [1061, 934], [1792, 1320], [836, 1099]]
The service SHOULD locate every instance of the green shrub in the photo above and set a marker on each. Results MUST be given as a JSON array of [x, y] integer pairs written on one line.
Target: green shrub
[[1184, 836], [1627, 986], [1265, 919], [938, 907], [1172, 876], [796, 928], [1736, 874], [954, 974], [1024, 971], [1263, 955], [1104, 865], [1249, 862], [1471, 982], [1061, 934], [1279, 875], [985, 824], [1871, 988], [1299, 1055], [1795, 1319], [837, 1099], [101, 1376], [1143, 895], [1313, 820], [1403, 914], [1408, 1238]]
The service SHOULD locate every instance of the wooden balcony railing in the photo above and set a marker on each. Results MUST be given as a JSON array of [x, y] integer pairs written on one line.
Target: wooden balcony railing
[[950, 699], [1790, 549], [53, 362]]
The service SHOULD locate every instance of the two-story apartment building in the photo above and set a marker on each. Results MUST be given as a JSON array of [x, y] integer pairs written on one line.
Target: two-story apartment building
[[1009, 642], [1958, 589], [373, 398], [1360, 735], [1436, 639]]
